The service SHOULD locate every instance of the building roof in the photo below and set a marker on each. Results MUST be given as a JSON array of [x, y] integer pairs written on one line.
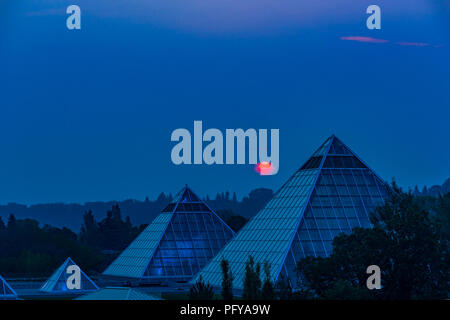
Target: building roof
[[57, 283], [118, 293], [331, 193], [6, 291], [177, 244]]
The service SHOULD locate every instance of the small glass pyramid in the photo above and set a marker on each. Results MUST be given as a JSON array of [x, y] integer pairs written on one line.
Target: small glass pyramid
[[176, 245], [6, 292], [62, 280]]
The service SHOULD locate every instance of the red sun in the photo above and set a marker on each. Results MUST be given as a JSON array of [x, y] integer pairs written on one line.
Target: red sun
[[264, 168]]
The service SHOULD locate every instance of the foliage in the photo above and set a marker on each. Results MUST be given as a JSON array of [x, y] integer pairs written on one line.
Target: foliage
[[25, 247], [283, 288], [111, 233], [252, 280], [201, 291], [227, 280], [409, 246], [267, 292]]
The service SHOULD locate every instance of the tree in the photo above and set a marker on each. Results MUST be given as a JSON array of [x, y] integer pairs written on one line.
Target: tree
[[227, 280], [252, 280], [201, 291], [404, 242], [114, 233], [268, 292], [283, 288], [11, 221], [442, 218], [418, 255], [30, 249], [89, 229]]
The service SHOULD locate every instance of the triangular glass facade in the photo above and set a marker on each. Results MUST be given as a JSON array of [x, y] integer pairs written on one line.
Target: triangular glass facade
[[177, 244], [6, 292], [57, 283], [333, 192]]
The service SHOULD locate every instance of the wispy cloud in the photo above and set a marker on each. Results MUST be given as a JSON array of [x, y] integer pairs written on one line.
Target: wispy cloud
[[398, 43], [364, 39], [413, 44]]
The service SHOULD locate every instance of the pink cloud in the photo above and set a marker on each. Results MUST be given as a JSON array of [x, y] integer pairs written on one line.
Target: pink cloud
[[413, 44], [364, 39]]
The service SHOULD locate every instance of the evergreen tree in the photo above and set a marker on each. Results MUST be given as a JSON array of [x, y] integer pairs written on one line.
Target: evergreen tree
[[268, 292], [227, 280], [252, 280]]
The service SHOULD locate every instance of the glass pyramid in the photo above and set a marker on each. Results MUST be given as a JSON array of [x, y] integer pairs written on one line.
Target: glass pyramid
[[57, 283], [177, 244], [333, 192], [6, 292]]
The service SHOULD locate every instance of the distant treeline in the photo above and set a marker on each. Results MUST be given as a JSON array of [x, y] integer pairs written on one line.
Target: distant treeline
[[434, 191], [34, 247], [139, 212], [28, 248]]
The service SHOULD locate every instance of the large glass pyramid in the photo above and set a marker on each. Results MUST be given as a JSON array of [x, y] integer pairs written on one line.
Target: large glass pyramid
[[57, 283], [6, 292], [333, 192], [177, 244]]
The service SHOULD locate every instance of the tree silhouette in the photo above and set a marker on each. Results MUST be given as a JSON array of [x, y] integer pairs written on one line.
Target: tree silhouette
[[227, 280]]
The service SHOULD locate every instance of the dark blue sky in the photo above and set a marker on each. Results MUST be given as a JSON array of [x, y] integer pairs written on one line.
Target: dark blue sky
[[87, 115]]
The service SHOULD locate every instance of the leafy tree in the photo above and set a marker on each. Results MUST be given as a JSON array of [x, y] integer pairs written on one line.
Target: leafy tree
[[27, 248], [113, 233], [405, 243], [201, 291], [418, 255], [227, 280], [252, 280], [268, 292], [283, 288]]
